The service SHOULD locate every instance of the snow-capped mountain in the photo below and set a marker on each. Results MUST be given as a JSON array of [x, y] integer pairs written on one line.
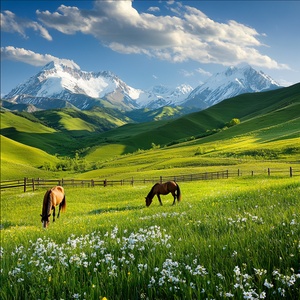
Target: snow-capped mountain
[[232, 82], [81, 89], [161, 95], [60, 85]]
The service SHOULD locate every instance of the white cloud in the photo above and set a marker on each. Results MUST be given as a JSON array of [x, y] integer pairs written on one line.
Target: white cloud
[[203, 72], [188, 34], [32, 58], [153, 8], [186, 73], [11, 23]]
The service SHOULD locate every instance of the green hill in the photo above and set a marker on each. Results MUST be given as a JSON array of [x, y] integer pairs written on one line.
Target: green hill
[[259, 111], [19, 160], [268, 129], [30, 131], [162, 113], [80, 123], [59, 131]]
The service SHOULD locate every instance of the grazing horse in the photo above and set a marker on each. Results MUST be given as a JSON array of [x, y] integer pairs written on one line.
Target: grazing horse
[[52, 198], [164, 189]]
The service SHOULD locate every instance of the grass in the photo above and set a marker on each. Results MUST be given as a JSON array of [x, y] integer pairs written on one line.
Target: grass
[[231, 238], [269, 131]]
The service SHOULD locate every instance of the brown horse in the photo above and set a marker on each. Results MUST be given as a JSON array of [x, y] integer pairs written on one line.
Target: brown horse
[[52, 198], [164, 189]]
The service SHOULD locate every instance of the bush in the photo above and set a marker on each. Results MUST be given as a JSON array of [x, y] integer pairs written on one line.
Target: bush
[[233, 122]]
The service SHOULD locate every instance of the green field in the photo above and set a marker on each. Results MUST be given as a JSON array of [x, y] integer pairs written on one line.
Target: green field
[[78, 144], [232, 238], [229, 238]]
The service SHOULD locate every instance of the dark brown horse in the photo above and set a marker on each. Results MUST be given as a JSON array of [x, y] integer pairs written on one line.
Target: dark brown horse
[[52, 198], [164, 189]]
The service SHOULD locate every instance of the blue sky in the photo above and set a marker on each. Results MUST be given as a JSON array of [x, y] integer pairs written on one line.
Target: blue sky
[[147, 43]]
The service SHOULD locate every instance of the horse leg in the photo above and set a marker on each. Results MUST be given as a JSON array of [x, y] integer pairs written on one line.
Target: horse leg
[[53, 214], [158, 196], [174, 196], [59, 208]]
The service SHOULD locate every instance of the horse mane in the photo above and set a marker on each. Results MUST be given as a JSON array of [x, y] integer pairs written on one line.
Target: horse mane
[[46, 204], [151, 193]]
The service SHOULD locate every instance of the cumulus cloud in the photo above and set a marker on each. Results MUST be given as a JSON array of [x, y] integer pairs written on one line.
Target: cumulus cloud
[[32, 58], [185, 34], [11, 23]]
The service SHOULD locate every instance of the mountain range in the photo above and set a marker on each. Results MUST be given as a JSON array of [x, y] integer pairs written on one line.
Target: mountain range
[[60, 85]]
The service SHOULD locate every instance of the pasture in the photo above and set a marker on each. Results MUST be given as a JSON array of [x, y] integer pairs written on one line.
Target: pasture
[[232, 238]]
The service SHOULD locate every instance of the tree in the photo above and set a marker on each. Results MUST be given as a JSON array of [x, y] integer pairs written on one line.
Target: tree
[[234, 122]]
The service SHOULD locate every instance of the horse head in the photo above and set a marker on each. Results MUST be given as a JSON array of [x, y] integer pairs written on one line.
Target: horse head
[[148, 201], [45, 220]]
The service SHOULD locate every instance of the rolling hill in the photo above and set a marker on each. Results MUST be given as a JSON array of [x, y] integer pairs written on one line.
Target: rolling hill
[[270, 122], [256, 112], [19, 161]]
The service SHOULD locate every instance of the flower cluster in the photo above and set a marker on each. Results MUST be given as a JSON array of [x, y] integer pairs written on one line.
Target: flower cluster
[[240, 221], [164, 215], [115, 255]]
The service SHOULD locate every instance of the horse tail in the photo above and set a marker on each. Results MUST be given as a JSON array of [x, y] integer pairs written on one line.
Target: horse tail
[[178, 192], [64, 203]]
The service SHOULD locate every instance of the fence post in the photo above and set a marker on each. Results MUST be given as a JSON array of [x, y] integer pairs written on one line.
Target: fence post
[[105, 182], [227, 173], [132, 181], [269, 172], [25, 184], [33, 184], [291, 172], [252, 173], [238, 172]]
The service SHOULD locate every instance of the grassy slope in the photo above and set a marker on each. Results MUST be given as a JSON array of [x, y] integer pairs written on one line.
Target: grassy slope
[[36, 134], [257, 112], [80, 123], [270, 121], [19, 160]]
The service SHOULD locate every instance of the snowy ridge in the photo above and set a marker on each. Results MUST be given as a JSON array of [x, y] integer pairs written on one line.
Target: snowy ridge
[[232, 82], [66, 82]]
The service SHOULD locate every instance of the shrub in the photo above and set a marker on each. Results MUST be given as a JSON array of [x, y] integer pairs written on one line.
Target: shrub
[[233, 122]]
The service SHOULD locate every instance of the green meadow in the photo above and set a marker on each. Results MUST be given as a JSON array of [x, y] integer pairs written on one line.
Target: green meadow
[[232, 238], [229, 238]]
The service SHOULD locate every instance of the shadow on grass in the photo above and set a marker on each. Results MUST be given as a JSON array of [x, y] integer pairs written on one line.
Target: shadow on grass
[[115, 209], [6, 225]]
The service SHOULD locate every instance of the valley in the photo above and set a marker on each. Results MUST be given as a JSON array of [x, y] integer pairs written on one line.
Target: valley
[[253, 137], [106, 143]]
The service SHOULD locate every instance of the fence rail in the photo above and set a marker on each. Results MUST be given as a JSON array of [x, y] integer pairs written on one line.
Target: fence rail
[[37, 183]]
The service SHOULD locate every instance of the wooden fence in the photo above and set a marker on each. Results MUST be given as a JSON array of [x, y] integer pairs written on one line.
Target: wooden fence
[[37, 183]]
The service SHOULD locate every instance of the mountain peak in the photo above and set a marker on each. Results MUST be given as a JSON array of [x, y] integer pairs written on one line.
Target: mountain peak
[[61, 64], [234, 81], [63, 80]]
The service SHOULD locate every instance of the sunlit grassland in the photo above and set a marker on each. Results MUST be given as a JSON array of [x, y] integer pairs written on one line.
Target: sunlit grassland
[[247, 152], [227, 238], [73, 124], [19, 161]]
